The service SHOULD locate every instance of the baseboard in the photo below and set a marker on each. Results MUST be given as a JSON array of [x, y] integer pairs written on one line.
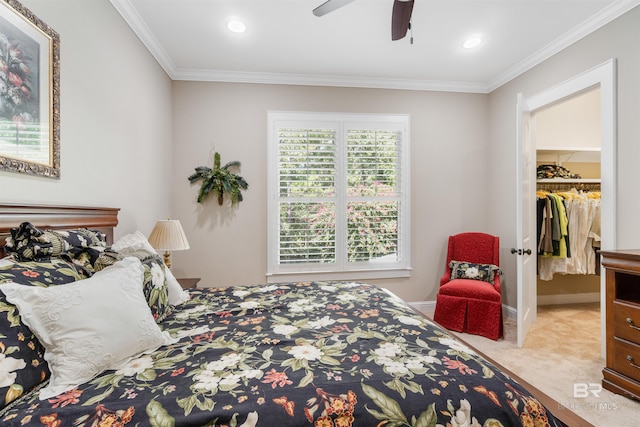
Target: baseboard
[[429, 307], [511, 313], [424, 307], [568, 298]]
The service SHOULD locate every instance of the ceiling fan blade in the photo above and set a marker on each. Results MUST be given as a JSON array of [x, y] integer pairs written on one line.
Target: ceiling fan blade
[[400, 18], [329, 6]]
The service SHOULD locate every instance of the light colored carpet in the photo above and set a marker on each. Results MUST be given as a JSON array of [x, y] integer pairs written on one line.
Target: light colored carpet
[[561, 357]]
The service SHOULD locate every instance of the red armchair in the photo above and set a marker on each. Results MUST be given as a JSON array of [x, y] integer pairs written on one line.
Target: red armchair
[[468, 301]]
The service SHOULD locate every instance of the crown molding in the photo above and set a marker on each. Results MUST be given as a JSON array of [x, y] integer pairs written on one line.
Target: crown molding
[[328, 80], [137, 24], [608, 14], [140, 28]]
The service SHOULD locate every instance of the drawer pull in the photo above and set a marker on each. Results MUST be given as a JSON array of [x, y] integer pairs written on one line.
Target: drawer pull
[[630, 359], [631, 325]]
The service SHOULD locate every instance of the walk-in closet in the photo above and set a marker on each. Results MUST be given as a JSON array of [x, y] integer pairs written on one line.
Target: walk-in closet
[[568, 145]]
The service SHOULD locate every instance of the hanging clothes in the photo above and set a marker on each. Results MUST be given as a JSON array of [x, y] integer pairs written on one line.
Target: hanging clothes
[[570, 222]]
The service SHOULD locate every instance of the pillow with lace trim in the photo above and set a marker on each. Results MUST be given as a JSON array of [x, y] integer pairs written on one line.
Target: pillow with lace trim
[[76, 322]]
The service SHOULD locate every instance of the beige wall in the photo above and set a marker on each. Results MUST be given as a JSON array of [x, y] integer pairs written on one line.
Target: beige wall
[[568, 284], [449, 158], [621, 40], [570, 123], [115, 108]]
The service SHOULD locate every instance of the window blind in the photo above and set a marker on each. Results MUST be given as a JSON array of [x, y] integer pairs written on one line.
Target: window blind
[[307, 172], [339, 200]]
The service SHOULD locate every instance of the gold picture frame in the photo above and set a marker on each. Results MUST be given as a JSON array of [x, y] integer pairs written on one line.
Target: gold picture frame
[[29, 93]]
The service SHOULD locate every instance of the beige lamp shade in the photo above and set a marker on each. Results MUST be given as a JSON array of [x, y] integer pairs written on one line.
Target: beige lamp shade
[[167, 235]]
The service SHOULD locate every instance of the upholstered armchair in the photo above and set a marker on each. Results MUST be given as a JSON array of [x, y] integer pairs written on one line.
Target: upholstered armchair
[[469, 299]]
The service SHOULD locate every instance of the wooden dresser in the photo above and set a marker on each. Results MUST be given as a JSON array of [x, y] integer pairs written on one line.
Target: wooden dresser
[[622, 370]]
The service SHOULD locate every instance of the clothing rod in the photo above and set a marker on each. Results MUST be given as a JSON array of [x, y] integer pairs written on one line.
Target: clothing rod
[[568, 186]]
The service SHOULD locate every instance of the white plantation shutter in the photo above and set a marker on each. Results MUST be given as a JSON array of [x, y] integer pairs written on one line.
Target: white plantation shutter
[[373, 202], [306, 189], [338, 196]]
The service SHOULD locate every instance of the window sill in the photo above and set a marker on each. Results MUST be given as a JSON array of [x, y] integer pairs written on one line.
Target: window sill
[[338, 275]]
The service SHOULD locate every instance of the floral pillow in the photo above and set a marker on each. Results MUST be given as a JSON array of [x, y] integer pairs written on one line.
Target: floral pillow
[[56, 271], [473, 271], [22, 363], [136, 242], [155, 283], [29, 243]]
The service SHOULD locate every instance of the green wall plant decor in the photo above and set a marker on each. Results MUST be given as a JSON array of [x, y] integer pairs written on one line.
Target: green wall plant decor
[[220, 180]]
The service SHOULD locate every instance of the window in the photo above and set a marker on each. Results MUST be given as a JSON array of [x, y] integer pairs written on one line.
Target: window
[[338, 196]]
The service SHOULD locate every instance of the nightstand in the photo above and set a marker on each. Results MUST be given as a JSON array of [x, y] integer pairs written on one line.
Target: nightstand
[[189, 282]]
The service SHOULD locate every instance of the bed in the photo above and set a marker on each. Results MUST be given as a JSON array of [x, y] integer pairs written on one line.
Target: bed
[[289, 354]]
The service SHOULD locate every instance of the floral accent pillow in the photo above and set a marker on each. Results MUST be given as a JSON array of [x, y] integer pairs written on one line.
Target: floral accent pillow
[[136, 242], [473, 271], [56, 271], [155, 287], [22, 363], [29, 243]]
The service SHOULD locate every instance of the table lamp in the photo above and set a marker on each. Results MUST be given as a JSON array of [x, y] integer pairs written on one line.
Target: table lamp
[[167, 235]]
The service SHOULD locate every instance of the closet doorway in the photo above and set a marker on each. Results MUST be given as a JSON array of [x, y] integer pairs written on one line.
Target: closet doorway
[[603, 79], [568, 145]]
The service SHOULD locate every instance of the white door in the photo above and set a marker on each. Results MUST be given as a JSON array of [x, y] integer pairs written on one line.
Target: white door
[[526, 234], [604, 76]]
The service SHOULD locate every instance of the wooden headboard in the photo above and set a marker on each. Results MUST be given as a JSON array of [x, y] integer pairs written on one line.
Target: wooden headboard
[[56, 218]]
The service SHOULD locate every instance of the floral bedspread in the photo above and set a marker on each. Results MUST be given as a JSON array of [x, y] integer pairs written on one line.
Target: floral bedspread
[[295, 354]]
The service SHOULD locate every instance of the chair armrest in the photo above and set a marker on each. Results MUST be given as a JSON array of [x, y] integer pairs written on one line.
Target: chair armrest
[[496, 283], [446, 277]]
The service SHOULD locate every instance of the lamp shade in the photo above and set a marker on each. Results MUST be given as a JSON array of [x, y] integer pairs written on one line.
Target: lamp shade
[[167, 235]]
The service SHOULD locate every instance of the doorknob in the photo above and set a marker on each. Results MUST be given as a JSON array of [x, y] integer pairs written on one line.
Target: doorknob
[[521, 251]]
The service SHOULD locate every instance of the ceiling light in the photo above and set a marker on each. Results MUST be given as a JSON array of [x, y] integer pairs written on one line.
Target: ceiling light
[[236, 26], [471, 42]]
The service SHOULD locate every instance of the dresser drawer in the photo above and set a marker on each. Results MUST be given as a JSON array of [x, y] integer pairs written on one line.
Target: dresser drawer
[[626, 321], [627, 358]]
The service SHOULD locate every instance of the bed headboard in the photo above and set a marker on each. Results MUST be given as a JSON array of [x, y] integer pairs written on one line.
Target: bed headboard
[[56, 218]]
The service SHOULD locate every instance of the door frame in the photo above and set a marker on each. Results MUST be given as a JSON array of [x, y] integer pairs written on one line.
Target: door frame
[[603, 76]]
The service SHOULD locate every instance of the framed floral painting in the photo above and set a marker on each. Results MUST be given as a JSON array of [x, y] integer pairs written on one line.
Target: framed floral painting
[[29, 93]]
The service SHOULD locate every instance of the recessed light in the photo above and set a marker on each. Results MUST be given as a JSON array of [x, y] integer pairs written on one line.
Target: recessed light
[[236, 26], [471, 42]]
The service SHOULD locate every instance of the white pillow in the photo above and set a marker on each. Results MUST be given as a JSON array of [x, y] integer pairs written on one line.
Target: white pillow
[[133, 242], [177, 295], [137, 241], [90, 325]]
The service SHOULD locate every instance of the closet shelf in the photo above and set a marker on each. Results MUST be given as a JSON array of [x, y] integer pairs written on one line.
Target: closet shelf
[[567, 150], [568, 181]]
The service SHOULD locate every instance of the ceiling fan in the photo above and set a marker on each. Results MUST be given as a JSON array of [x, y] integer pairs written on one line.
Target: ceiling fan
[[400, 16]]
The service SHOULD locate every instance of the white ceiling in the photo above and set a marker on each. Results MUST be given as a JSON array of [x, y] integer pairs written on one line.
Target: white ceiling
[[286, 44]]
